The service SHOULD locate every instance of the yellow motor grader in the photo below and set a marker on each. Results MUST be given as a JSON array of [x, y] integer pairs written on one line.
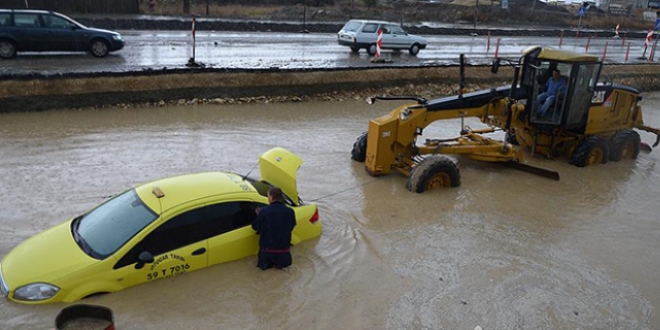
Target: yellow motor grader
[[589, 123]]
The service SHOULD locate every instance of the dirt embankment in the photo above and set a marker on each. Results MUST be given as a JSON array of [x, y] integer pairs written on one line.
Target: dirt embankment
[[234, 86]]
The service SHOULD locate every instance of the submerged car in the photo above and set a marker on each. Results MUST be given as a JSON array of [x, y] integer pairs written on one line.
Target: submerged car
[[154, 231], [358, 34], [24, 30]]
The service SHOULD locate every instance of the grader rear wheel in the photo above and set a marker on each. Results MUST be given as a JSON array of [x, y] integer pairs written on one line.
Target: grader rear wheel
[[593, 150], [625, 145], [432, 173], [359, 152]]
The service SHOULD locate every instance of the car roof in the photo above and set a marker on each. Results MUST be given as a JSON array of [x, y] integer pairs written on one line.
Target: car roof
[[372, 21], [27, 11], [185, 188]]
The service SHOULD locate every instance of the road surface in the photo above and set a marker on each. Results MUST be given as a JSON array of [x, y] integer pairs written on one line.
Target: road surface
[[172, 49]]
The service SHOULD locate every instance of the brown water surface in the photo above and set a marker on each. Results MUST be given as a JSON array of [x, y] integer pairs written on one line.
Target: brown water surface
[[505, 250]]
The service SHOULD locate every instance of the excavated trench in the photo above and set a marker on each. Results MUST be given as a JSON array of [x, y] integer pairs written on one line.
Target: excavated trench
[[187, 86]]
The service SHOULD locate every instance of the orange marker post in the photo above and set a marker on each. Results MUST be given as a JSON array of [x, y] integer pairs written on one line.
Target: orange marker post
[[605, 50], [497, 47], [488, 43], [561, 37], [586, 48], [627, 52]]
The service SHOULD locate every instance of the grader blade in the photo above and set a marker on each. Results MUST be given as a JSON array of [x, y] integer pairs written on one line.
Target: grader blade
[[534, 170]]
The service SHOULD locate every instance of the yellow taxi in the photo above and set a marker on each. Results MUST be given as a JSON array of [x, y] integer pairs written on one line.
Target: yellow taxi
[[154, 231]]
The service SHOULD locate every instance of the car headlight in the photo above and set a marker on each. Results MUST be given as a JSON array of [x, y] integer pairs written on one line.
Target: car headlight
[[36, 292], [117, 37]]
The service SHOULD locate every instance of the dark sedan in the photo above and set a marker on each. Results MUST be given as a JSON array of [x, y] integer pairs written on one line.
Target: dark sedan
[[47, 31]]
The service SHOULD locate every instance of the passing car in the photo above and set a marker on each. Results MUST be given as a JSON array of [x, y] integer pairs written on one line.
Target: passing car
[[358, 34], [154, 231], [23, 30]]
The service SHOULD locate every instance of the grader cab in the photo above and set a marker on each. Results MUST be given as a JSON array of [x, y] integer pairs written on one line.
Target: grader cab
[[586, 121]]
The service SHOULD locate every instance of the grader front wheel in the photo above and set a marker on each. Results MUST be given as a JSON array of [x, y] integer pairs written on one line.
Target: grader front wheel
[[432, 173], [359, 152]]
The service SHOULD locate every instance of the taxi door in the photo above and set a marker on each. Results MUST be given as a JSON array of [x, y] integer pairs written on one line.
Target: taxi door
[[178, 246], [231, 224]]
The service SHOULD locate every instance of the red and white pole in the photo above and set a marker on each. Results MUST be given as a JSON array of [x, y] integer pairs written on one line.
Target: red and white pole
[[616, 31], [605, 50], [561, 38], [379, 42], [627, 52], [497, 47]]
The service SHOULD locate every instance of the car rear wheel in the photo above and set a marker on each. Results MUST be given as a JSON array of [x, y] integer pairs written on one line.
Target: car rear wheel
[[414, 49], [99, 48], [371, 49], [7, 49], [355, 49]]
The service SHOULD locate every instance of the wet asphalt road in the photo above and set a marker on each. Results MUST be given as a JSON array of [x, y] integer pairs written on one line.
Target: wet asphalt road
[[172, 49]]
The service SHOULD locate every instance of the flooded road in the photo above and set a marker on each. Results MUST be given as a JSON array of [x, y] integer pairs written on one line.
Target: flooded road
[[505, 250]]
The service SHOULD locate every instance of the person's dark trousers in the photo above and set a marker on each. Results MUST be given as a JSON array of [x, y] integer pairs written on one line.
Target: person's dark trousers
[[279, 259]]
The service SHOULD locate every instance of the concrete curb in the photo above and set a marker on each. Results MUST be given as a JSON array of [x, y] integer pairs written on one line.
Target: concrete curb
[[72, 91]]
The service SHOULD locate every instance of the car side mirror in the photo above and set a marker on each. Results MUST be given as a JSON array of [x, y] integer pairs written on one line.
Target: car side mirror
[[73, 28], [495, 66], [146, 257]]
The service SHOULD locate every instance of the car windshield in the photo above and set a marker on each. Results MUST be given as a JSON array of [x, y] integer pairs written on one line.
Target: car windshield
[[106, 228]]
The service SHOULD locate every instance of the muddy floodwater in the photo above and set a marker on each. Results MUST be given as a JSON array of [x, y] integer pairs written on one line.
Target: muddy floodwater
[[505, 250]]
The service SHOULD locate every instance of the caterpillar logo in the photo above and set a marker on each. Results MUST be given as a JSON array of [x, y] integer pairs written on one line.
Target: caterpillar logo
[[598, 97]]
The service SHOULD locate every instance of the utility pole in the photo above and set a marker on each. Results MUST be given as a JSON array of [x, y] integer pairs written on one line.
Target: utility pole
[[476, 10], [186, 6]]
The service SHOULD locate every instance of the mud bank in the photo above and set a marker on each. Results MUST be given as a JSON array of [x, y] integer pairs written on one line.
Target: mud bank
[[38, 93]]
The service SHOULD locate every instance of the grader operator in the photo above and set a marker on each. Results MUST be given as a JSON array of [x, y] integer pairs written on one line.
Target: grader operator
[[587, 122]]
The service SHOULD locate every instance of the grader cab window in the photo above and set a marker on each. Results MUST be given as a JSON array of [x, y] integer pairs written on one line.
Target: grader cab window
[[550, 86], [582, 92]]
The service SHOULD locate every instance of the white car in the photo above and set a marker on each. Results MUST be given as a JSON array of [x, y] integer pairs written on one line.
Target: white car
[[358, 34]]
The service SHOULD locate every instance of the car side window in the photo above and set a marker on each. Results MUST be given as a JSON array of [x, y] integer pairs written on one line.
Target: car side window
[[193, 226], [225, 217], [54, 22], [397, 30], [26, 20], [184, 229], [5, 19], [386, 29], [370, 28]]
